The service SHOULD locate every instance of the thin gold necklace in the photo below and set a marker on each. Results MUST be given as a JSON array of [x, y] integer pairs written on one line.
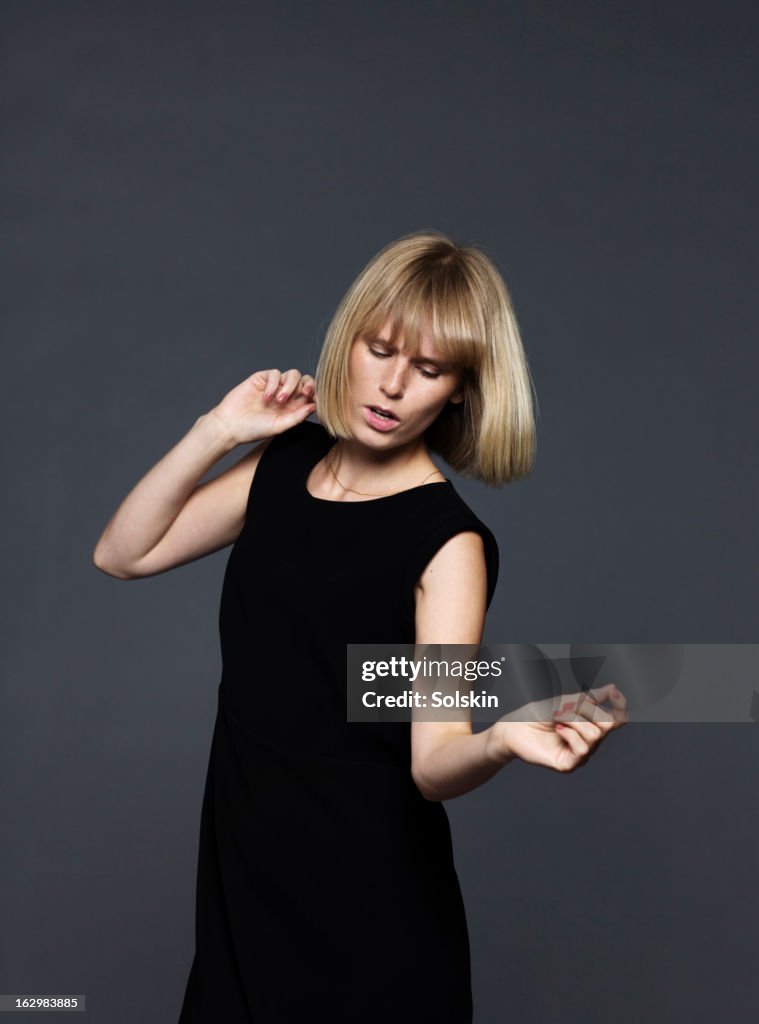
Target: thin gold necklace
[[366, 494]]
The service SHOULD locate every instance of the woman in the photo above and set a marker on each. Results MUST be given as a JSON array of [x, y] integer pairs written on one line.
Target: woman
[[326, 883]]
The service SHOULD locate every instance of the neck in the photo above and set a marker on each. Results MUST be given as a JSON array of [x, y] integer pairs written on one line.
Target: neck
[[373, 471]]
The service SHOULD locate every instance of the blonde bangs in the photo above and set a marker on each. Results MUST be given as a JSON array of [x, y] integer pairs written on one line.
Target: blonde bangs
[[434, 304]]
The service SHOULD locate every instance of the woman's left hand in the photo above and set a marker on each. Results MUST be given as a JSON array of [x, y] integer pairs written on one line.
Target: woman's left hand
[[567, 738]]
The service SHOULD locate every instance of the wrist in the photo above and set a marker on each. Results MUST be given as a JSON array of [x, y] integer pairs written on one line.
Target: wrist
[[497, 748], [216, 431]]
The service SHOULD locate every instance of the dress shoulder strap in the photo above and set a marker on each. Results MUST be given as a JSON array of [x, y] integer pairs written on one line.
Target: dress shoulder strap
[[284, 459]]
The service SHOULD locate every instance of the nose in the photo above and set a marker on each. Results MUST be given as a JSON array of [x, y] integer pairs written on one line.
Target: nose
[[392, 382]]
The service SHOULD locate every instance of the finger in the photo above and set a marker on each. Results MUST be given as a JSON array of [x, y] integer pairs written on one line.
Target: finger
[[272, 383], [295, 400], [295, 413], [609, 692], [584, 707], [593, 723], [600, 694], [596, 713], [618, 705], [290, 385], [307, 384], [287, 384], [573, 739], [590, 732]]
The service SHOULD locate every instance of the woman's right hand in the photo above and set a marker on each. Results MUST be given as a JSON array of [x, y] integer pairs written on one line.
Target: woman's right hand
[[266, 403]]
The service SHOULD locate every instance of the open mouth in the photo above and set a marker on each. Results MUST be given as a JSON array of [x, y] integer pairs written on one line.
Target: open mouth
[[382, 413]]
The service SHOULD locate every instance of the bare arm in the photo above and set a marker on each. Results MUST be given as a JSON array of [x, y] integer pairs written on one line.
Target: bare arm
[[167, 519], [448, 759]]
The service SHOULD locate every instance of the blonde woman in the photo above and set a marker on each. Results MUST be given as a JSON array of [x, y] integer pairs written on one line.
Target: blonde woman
[[326, 883]]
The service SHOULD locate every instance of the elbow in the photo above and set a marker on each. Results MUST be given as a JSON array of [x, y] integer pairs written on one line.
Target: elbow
[[101, 561], [425, 786]]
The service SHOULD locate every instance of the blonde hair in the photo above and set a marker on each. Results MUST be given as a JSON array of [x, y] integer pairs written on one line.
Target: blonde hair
[[424, 280]]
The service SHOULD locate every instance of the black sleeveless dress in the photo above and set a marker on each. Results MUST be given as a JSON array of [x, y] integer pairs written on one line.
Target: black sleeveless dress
[[326, 884]]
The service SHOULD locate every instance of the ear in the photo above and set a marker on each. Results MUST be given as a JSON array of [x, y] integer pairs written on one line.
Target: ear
[[457, 397]]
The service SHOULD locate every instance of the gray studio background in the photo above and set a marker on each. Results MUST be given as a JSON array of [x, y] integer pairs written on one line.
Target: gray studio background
[[188, 191]]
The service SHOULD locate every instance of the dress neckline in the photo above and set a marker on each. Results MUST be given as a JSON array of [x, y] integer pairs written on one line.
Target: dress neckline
[[367, 501]]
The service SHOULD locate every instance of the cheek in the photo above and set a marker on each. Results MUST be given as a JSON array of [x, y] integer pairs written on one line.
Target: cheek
[[441, 390], [432, 399], [357, 363]]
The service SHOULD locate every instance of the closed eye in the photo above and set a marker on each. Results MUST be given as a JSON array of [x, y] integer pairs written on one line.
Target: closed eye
[[385, 355]]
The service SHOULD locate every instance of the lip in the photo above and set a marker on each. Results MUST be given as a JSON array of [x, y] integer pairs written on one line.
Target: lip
[[383, 408], [377, 421]]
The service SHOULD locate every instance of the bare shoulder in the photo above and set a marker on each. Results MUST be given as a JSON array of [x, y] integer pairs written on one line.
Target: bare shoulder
[[451, 594], [460, 559]]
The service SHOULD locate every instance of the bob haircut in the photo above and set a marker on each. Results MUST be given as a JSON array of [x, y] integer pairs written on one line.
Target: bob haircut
[[424, 281]]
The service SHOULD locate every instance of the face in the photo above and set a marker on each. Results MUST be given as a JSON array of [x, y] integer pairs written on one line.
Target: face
[[413, 391]]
